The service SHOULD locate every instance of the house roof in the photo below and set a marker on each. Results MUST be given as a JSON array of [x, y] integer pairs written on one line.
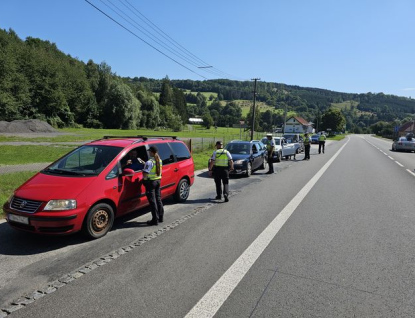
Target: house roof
[[301, 120], [409, 126]]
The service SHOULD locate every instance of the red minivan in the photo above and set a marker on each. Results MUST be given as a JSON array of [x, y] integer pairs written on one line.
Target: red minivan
[[92, 185]]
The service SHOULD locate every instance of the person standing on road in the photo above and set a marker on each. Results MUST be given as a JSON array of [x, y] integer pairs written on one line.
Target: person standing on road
[[321, 142], [270, 149], [151, 179], [220, 164], [307, 144]]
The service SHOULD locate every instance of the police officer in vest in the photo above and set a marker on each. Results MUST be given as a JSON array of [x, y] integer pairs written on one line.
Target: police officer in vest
[[270, 143], [220, 164], [321, 142], [152, 177], [307, 145]]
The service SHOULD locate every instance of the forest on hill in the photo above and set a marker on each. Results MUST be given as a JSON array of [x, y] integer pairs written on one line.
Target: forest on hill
[[38, 81]]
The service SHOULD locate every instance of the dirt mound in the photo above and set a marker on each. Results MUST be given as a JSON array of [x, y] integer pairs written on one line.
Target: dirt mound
[[26, 126]]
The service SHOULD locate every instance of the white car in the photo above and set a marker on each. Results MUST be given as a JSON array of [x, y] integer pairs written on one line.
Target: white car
[[404, 144], [283, 149]]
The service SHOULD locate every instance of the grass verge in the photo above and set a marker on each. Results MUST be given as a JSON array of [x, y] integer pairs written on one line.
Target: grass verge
[[19, 155]]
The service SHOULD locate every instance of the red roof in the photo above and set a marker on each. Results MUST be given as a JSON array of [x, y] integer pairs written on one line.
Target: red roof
[[301, 120], [407, 127]]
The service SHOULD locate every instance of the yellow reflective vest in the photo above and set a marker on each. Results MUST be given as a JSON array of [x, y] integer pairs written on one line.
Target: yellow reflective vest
[[221, 158], [152, 175]]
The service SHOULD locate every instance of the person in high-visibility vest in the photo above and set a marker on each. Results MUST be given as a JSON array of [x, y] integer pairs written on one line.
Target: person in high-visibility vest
[[220, 164], [270, 143], [321, 142], [151, 179], [307, 145]]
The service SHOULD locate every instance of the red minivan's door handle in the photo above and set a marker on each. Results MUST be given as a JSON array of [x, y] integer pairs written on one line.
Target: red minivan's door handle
[[175, 170]]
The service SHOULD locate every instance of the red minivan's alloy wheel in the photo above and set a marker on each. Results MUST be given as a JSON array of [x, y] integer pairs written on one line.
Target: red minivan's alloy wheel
[[99, 220]]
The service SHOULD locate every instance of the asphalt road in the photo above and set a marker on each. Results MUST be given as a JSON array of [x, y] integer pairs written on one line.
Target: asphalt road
[[329, 237]]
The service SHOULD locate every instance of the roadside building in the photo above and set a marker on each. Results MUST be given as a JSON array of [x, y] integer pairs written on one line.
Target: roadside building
[[299, 125], [195, 120], [406, 128]]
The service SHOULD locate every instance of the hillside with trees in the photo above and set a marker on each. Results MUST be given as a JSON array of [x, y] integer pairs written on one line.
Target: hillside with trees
[[38, 81]]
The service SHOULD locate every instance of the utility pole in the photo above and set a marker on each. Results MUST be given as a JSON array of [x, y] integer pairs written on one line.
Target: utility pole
[[285, 118], [253, 109]]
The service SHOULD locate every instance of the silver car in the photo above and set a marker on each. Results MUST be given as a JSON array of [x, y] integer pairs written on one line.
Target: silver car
[[404, 144]]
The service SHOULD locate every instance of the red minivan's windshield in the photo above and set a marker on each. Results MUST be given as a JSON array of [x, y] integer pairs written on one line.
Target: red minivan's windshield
[[84, 161]]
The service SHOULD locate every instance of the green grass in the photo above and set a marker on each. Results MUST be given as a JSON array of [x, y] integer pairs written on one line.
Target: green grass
[[9, 182], [85, 134], [337, 137], [201, 158], [345, 104], [18, 155]]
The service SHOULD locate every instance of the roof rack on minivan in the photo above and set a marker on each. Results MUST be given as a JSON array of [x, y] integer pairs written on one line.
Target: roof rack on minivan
[[143, 137]]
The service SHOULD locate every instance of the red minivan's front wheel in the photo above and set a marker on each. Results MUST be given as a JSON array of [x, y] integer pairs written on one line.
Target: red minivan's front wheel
[[98, 221]]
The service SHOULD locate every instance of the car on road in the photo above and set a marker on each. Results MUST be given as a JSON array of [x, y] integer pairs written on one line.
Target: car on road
[[283, 149], [404, 144], [89, 187], [314, 139], [295, 138], [247, 156]]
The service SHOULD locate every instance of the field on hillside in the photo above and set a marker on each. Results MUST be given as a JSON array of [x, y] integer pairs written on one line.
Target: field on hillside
[[347, 105]]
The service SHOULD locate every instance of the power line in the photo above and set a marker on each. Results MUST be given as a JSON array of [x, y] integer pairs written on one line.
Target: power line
[[151, 36], [183, 53], [147, 33], [175, 43], [125, 28]]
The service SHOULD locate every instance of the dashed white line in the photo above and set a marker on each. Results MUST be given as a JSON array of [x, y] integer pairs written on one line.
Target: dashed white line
[[390, 158], [410, 172], [399, 164]]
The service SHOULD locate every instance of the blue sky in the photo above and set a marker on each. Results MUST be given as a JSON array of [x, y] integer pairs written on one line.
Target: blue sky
[[353, 46]]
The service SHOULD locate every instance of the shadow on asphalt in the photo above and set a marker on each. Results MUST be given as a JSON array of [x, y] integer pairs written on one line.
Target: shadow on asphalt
[[15, 242]]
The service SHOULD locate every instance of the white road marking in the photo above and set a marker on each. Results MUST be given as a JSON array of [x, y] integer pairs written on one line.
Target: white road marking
[[211, 302], [398, 163], [391, 158], [410, 172]]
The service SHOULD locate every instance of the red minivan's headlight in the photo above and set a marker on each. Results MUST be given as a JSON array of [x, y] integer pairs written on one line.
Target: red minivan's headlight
[[60, 205]]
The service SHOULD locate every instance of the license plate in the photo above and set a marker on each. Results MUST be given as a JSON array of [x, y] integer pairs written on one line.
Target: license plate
[[19, 219]]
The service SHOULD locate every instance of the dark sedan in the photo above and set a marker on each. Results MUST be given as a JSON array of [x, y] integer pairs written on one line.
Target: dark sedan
[[314, 139], [247, 156]]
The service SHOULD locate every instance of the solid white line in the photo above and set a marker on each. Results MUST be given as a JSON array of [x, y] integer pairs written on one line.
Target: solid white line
[[220, 291], [410, 172], [398, 163]]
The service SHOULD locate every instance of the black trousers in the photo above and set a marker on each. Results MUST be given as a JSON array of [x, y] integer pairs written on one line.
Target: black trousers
[[221, 175], [270, 164], [321, 145], [307, 151], [154, 198]]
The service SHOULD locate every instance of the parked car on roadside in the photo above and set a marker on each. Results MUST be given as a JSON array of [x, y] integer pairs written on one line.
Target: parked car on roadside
[[89, 187], [295, 138], [314, 139], [404, 144], [247, 156], [283, 149]]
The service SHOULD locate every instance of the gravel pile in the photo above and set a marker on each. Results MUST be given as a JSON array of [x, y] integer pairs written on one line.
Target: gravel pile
[[26, 126]]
